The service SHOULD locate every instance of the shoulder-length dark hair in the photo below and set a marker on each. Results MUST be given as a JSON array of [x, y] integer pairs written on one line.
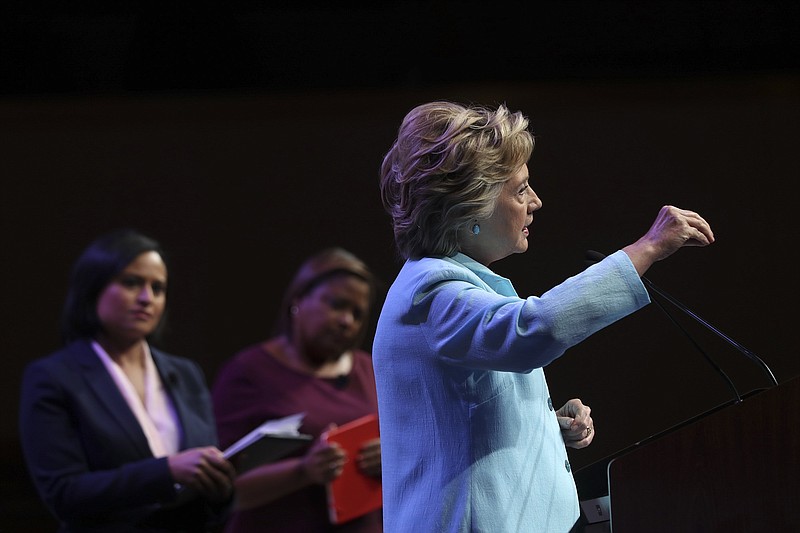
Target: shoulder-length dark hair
[[99, 263]]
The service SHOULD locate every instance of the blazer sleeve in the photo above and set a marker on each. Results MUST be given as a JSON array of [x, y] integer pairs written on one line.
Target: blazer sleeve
[[469, 325]]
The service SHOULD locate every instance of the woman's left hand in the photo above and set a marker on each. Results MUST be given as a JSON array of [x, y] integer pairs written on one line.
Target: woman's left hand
[[369, 460], [577, 427]]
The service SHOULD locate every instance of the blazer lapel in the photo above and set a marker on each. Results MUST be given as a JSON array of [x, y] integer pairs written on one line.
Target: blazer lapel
[[170, 377], [109, 398], [192, 404]]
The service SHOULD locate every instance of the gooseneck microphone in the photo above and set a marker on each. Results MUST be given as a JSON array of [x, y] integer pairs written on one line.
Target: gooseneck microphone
[[593, 257]]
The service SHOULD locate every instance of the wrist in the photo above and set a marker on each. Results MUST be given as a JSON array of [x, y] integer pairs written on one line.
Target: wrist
[[301, 472], [642, 255]]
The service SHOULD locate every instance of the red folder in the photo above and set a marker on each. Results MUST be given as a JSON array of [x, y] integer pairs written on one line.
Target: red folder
[[353, 493]]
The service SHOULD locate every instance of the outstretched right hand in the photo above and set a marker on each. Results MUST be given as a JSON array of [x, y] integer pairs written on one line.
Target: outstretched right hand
[[673, 229]]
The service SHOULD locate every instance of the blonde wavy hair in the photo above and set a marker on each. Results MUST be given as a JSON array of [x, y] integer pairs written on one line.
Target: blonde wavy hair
[[445, 170]]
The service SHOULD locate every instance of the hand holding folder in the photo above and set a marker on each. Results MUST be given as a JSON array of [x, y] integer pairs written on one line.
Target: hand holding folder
[[353, 493]]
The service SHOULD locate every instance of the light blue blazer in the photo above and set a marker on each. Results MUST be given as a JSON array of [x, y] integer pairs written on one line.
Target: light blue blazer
[[469, 436]]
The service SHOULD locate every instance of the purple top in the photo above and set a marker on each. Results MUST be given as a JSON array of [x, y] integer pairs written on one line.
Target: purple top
[[254, 387]]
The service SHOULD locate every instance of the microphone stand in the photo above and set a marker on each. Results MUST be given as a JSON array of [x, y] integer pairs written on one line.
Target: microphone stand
[[736, 396], [593, 256], [749, 354]]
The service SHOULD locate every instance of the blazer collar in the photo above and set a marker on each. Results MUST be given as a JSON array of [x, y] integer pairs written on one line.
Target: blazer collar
[[109, 397]]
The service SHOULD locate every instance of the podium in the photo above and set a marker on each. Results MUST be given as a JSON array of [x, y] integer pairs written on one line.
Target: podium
[[733, 469]]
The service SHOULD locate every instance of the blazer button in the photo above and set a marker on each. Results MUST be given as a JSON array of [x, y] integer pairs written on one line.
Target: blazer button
[[566, 465], [550, 404]]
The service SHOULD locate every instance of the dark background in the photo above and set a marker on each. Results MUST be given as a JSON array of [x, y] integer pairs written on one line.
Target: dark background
[[246, 137]]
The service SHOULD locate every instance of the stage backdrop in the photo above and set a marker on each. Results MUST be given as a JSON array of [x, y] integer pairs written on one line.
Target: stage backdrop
[[240, 189]]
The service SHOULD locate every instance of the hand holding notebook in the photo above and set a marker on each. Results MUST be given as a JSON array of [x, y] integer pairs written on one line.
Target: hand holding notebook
[[269, 442]]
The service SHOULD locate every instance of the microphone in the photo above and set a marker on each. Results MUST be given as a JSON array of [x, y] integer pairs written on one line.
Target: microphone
[[593, 256], [341, 381]]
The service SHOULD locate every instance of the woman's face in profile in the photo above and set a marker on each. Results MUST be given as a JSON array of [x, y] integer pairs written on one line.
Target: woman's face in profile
[[331, 316], [506, 231], [131, 305]]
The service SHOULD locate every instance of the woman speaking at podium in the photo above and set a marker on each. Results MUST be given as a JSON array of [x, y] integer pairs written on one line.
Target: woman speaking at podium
[[471, 440]]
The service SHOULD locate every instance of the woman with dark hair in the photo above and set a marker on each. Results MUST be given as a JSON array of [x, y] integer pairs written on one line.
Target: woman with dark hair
[[471, 438], [312, 365], [118, 435]]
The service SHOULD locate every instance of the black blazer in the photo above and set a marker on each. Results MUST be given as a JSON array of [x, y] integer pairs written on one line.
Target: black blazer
[[87, 454]]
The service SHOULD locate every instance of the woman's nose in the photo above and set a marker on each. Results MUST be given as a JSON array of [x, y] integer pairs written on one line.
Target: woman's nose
[[346, 318], [536, 202], [146, 294]]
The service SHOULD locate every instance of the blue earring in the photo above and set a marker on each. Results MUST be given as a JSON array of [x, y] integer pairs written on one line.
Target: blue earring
[[476, 229]]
